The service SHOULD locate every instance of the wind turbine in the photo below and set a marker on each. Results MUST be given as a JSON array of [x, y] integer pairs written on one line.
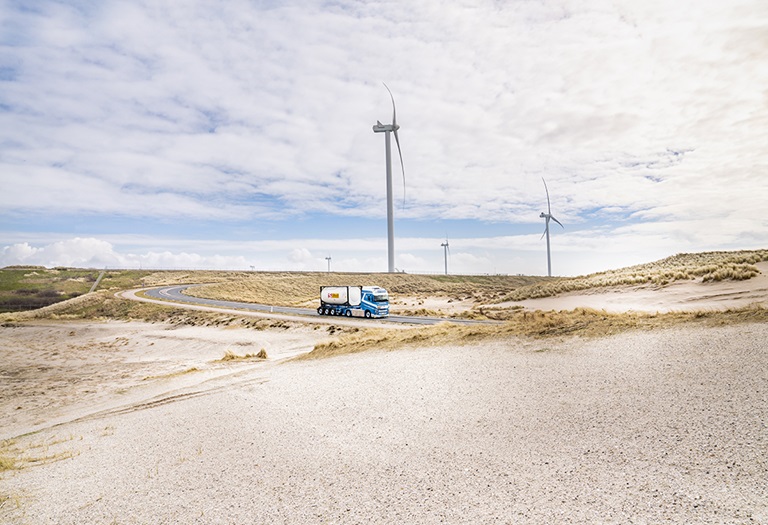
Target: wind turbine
[[387, 129], [547, 216], [446, 251], [329, 262]]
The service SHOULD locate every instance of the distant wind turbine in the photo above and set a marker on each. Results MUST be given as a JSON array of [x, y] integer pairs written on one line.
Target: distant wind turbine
[[446, 251], [547, 216], [387, 129], [329, 262]]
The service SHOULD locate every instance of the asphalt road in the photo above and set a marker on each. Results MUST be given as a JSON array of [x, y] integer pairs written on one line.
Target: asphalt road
[[175, 294]]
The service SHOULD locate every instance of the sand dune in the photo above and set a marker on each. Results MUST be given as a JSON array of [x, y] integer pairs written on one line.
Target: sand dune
[[678, 296], [655, 427], [139, 423]]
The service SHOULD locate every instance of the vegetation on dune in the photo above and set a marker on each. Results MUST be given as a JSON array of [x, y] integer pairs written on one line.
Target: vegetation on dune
[[294, 289], [706, 266], [302, 288], [582, 322]]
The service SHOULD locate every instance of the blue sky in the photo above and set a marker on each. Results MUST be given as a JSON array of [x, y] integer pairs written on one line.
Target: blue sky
[[238, 135]]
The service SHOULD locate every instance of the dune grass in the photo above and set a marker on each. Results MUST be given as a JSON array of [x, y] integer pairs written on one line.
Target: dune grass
[[583, 322]]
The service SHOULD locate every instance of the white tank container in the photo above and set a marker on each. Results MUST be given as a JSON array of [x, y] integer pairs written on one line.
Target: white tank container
[[341, 295]]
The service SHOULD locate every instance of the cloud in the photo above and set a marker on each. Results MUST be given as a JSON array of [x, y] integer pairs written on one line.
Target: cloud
[[87, 253], [260, 111]]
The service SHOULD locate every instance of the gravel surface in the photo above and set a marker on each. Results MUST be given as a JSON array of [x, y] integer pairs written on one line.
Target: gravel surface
[[661, 427]]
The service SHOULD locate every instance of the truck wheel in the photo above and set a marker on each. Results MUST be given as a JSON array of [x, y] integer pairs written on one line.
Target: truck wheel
[[348, 313], [326, 311], [367, 314], [320, 311]]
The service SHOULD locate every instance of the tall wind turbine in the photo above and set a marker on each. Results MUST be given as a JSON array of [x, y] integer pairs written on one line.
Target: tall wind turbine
[[446, 251], [387, 129], [547, 216]]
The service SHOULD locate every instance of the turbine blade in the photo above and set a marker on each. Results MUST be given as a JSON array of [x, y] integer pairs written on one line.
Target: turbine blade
[[546, 230], [549, 210], [558, 222], [402, 166], [397, 138], [394, 111]]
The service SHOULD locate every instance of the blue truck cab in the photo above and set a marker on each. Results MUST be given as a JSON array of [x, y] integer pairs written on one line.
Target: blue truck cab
[[376, 301]]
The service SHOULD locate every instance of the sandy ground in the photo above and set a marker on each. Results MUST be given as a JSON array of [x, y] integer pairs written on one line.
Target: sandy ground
[[660, 427], [54, 372]]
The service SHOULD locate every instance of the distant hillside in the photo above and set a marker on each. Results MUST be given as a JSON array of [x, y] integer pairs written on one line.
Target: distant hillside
[[294, 288], [28, 287]]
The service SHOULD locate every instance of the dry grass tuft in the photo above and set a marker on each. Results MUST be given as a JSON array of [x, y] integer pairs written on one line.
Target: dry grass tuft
[[581, 322], [14, 457], [7, 461], [229, 355]]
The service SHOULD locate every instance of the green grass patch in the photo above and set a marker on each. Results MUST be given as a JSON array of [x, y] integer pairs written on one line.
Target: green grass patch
[[31, 287]]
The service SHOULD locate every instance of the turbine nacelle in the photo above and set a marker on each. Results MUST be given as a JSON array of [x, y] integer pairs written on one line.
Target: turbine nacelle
[[379, 127]]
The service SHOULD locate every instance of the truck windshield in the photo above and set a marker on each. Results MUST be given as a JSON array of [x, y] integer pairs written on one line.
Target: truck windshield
[[381, 297]]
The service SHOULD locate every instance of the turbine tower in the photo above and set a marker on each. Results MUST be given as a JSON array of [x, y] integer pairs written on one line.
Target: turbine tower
[[446, 251], [329, 262], [387, 129], [547, 216]]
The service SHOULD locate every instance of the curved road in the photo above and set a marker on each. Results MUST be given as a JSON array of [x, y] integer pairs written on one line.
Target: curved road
[[174, 294]]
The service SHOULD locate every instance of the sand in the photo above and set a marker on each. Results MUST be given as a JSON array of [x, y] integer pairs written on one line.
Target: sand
[[646, 427], [53, 372]]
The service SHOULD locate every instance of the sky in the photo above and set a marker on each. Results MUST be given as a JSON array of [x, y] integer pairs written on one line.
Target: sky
[[238, 135]]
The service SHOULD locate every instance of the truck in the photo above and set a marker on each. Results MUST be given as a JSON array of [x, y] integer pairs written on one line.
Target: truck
[[354, 301]]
